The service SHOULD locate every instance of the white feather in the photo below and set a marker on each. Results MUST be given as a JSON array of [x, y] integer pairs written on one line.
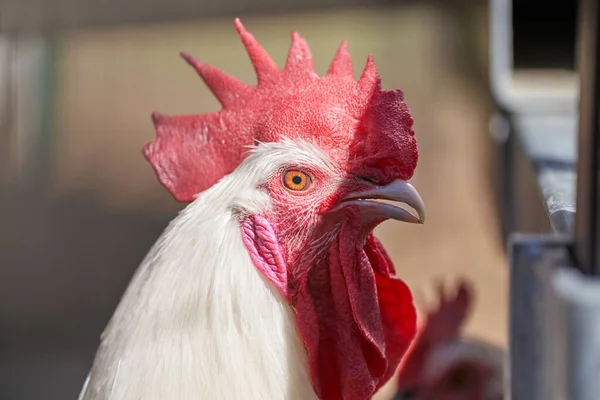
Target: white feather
[[198, 321]]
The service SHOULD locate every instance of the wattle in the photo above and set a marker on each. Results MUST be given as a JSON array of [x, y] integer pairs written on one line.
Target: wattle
[[356, 318]]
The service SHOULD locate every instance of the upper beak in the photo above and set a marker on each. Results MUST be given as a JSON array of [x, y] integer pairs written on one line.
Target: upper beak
[[400, 191]]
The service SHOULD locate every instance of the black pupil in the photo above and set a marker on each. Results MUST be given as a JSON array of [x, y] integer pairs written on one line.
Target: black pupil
[[297, 179]]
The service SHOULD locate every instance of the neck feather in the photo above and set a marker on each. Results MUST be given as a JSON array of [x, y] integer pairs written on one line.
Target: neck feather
[[199, 321]]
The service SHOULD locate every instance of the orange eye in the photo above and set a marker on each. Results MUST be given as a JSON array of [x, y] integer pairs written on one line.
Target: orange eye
[[296, 180]]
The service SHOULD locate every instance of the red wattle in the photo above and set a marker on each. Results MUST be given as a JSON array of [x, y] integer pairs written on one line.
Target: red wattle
[[356, 318]]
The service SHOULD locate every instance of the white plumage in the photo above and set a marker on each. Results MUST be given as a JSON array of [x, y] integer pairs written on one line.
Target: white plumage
[[198, 320]]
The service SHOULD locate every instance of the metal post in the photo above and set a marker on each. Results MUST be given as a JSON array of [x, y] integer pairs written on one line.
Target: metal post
[[555, 323], [571, 344], [576, 333], [532, 356], [555, 302], [587, 227]]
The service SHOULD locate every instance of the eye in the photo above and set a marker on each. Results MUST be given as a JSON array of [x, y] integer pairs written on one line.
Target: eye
[[296, 180]]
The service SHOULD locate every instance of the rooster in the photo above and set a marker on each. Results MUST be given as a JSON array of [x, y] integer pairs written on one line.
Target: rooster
[[270, 283], [440, 365]]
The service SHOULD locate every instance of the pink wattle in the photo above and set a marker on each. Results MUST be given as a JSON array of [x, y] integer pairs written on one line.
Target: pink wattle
[[260, 240], [355, 317]]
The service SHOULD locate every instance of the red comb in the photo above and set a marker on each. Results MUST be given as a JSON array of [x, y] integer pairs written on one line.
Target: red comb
[[441, 326], [366, 129]]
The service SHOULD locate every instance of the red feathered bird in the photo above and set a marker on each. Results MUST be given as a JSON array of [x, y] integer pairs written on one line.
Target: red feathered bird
[[441, 365], [270, 284]]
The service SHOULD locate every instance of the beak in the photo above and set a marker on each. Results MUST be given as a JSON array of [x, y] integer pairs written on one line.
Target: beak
[[399, 191]]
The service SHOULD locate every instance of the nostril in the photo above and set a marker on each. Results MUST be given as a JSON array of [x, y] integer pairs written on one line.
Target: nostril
[[369, 179]]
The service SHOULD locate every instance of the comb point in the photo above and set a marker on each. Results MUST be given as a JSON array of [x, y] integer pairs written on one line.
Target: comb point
[[341, 65], [157, 118], [239, 27], [191, 60], [369, 74], [299, 56], [225, 87], [264, 66]]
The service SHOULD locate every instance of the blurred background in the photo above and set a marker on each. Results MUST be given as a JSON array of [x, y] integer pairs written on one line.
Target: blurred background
[[80, 206]]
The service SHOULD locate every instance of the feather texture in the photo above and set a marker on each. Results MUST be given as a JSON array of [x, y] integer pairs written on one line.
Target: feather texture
[[198, 320]]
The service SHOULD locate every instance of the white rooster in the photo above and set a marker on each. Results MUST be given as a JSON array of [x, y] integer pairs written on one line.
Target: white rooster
[[270, 284]]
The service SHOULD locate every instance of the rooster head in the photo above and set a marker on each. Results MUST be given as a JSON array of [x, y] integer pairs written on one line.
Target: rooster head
[[330, 146]]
